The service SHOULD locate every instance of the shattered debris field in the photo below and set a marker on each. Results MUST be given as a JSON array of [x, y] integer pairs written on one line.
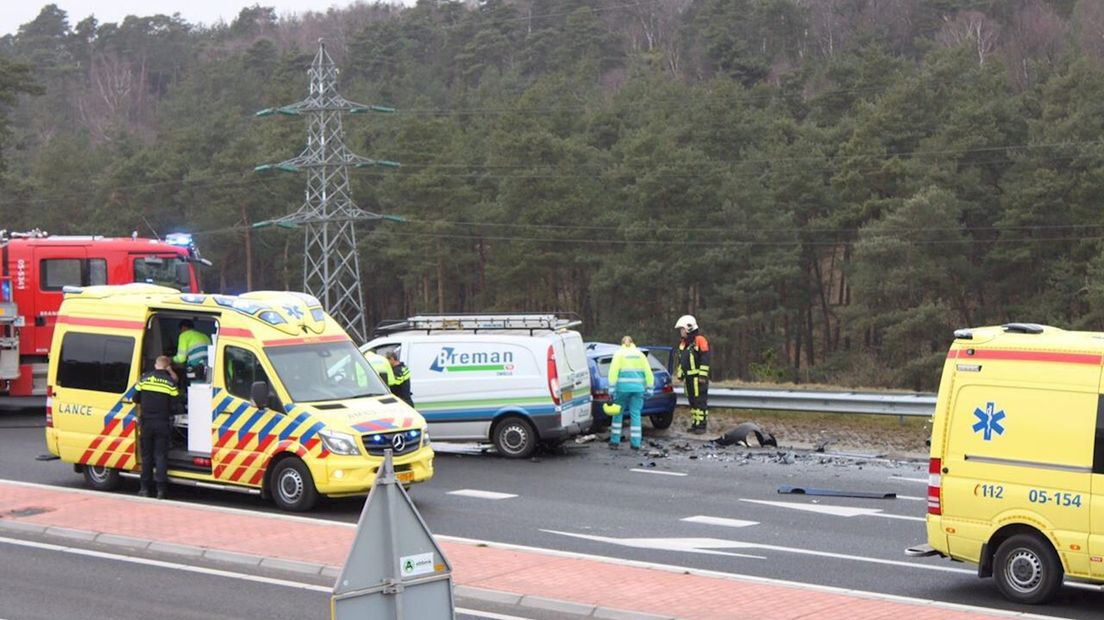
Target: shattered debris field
[[884, 436]]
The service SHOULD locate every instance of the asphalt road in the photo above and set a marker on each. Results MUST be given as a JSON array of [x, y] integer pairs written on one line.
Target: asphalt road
[[47, 580], [708, 509]]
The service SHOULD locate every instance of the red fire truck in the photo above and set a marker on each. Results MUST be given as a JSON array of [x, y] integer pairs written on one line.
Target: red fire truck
[[35, 268]]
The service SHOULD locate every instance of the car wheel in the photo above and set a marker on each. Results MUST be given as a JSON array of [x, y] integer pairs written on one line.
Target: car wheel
[[292, 486], [101, 478], [663, 420], [1027, 570], [515, 438]]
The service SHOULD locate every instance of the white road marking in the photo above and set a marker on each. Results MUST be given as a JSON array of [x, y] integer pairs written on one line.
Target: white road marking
[[921, 480], [657, 471], [481, 494], [719, 521], [835, 511], [214, 572], [706, 546], [458, 448]]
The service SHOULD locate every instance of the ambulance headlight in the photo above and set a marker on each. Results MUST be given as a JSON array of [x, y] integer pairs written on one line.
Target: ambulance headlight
[[339, 443], [425, 436]]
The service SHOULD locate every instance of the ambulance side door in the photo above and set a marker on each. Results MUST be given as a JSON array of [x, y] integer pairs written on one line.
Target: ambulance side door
[[240, 432]]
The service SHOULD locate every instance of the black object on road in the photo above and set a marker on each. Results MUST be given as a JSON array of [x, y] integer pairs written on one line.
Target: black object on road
[[788, 490]]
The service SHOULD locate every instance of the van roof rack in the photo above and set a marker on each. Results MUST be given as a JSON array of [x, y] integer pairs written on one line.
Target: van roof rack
[[531, 321]]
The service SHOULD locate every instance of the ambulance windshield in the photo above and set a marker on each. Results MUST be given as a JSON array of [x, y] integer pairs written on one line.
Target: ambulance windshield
[[325, 371]]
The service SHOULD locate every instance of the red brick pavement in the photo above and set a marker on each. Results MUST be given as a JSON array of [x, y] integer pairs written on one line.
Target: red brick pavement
[[526, 572]]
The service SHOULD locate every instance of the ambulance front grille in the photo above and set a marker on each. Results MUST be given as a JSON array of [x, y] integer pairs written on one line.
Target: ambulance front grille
[[402, 442]]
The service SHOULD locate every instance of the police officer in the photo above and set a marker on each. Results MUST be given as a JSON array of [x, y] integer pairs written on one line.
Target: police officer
[[157, 394], [400, 379], [630, 383], [693, 370]]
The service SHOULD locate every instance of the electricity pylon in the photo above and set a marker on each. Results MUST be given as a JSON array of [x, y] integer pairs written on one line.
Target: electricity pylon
[[331, 264]]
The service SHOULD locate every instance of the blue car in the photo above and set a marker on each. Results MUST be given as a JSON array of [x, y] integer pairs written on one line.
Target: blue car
[[660, 408]]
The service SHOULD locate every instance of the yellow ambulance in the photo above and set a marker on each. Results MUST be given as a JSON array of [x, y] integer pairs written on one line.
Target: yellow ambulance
[[1017, 458], [283, 405]]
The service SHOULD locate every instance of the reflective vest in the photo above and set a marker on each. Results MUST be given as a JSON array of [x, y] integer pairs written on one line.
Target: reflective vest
[[191, 348], [156, 392], [629, 371], [382, 366]]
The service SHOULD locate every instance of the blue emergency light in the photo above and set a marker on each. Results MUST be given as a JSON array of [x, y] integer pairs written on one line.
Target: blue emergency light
[[183, 240], [6, 290]]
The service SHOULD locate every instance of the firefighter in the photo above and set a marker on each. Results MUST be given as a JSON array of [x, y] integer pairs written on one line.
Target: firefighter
[[191, 346], [400, 380], [693, 371], [157, 394], [630, 383]]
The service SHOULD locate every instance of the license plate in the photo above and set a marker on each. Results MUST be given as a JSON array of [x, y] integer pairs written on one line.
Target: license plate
[[404, 476]]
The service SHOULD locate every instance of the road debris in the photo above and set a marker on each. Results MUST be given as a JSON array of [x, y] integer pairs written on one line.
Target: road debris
[[789, 490], [739, 436]]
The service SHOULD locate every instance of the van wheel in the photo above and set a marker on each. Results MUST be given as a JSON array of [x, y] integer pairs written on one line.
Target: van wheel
[[101, 478], [515, 438], [292, 486], [660, 422], [1027, 570]]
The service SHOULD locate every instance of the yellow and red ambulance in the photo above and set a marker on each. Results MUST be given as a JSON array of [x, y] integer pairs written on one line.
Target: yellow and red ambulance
[[283, 405], [1017, 458]]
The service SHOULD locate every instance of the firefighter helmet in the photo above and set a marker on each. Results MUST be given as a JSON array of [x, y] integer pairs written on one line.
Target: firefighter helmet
[[686, 321]]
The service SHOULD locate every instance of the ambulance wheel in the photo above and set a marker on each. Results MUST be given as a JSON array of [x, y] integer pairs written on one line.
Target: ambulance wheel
[[292, 487], [1027, 570], [515, 438], [101, 478], [660, 422]]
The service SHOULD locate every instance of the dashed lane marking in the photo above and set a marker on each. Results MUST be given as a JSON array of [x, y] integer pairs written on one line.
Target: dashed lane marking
[[656, 471], [719, 521], [481, 494]]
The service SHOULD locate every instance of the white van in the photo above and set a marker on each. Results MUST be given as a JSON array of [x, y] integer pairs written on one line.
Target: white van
[[516, 380]]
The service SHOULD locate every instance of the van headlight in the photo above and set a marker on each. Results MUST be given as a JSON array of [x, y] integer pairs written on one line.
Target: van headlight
[[339, 443]]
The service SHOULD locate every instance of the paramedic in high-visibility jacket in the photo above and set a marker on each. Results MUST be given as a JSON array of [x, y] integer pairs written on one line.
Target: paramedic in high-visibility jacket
[[157, 394], [191, 346], [693, 370], [630, 383]]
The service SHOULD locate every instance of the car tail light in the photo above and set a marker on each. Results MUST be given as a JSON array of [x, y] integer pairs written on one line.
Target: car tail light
[[599, 395], [49, 406], [553, 376], [667, 389], [935, 484]]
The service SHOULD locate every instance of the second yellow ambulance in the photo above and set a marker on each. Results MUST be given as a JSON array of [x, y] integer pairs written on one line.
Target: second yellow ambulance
[[1017, 458], [285, 406]]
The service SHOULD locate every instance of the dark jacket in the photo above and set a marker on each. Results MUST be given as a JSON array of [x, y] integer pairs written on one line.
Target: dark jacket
[[400, 386], [157, 393], [693, 357]]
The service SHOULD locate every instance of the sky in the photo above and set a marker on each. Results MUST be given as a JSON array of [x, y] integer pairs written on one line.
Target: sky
[[14, 13]]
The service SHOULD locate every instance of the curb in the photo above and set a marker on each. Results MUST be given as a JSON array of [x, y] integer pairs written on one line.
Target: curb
[[308, 568]]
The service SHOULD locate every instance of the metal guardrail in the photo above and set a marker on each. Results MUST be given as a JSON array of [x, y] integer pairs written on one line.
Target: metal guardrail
[[877, 403]]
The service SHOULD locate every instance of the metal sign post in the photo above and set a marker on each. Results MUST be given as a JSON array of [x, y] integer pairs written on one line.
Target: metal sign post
[[395, 569]]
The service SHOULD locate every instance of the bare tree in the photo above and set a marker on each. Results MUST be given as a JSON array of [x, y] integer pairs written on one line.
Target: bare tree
[[971, 28], [1037, 36], [654, 27]]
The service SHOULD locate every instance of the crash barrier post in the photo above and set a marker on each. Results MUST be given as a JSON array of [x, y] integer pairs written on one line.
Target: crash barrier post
[[395, 569]]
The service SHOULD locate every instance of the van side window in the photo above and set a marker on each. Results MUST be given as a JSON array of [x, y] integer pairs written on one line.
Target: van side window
[[95, 362], [242, 369], [61, 272]]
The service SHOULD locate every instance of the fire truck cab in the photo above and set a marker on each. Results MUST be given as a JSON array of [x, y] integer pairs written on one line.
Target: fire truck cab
[[35, 267]]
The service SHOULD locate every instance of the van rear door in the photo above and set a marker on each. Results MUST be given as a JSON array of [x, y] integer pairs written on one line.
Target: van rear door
[[571, 365]]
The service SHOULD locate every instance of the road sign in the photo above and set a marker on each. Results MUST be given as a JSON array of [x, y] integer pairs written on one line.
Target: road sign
[[395, 569]]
